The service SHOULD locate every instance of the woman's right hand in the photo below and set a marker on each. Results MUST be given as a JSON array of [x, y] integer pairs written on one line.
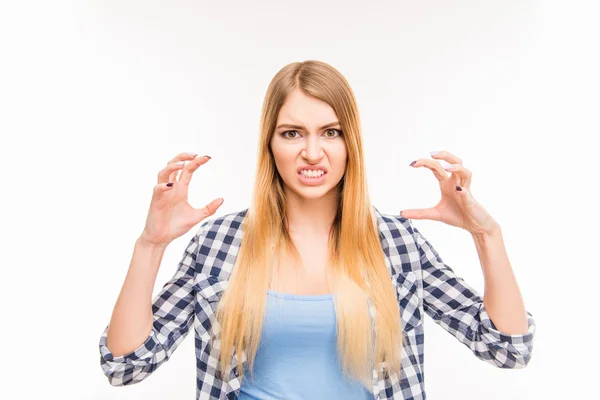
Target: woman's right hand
[[170, 215]]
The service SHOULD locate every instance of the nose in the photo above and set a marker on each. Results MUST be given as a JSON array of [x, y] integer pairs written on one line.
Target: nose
[[313, 151]]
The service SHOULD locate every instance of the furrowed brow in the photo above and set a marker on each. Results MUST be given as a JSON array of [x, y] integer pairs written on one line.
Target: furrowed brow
[[291, 126]]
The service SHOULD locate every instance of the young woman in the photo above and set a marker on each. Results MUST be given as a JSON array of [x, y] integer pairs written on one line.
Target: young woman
[[311, 293]]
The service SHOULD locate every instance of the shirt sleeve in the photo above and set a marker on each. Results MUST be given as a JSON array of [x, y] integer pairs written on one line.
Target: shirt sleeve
[[173, 310], [459, 309]]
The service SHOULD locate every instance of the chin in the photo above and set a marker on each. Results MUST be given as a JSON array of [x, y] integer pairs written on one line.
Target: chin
[[312, 193]]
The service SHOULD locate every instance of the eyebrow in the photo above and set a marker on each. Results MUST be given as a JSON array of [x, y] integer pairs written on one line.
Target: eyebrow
[[329, 125]]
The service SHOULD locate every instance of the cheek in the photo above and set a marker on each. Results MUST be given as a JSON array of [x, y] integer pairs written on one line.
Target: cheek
[[284, 159], [339, 156]]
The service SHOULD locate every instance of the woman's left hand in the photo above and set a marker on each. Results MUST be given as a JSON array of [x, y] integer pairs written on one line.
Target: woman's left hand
[[457, 206]]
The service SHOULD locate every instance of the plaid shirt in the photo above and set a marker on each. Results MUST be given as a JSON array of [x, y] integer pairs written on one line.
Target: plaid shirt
[[423, 282]]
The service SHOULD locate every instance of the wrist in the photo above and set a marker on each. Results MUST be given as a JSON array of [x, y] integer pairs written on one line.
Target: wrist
[[493, 231], [148, 244]]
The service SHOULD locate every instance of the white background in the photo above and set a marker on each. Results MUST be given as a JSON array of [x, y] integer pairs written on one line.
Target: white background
[[96, 96]]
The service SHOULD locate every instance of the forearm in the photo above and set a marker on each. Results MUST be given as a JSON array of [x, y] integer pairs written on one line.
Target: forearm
[[132, 318], [502, 297]]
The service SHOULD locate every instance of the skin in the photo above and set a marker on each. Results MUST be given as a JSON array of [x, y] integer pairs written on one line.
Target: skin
[[311, 209], [457, 206]]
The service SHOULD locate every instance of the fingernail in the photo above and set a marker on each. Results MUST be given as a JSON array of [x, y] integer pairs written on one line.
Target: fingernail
[[434, 153], [459, 188], [170, 184], [412, 163], [192, 154], [209, 157]]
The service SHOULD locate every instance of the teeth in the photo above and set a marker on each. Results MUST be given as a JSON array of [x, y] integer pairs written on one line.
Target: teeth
[[311, 173]]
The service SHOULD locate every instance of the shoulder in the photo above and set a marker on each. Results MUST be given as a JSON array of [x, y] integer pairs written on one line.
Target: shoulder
[[393, 224], [227, 224], [399, 243], [217, 242]]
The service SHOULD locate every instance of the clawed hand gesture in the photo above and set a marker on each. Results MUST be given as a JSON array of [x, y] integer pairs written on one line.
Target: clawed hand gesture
[[170, 215], [457, 207]]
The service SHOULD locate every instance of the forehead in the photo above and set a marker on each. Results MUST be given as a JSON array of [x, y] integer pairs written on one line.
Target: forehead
[[301, 109]]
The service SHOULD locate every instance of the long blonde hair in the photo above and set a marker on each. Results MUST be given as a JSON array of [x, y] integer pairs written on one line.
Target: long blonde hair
[[357, 274]]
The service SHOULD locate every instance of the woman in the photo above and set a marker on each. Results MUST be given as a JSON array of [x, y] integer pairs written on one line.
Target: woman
[[311, 273]]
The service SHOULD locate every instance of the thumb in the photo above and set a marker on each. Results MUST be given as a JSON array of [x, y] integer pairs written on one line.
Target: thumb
[[419, 213], [208, 210]]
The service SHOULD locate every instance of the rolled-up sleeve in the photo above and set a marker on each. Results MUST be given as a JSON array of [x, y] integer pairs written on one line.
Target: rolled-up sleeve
[[134, 366], [173, 311], [459, 309]]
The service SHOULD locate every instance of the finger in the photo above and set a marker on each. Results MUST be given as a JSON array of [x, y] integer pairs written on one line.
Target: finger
[[464, 194], [165, 174], [463, 174], [183, 157], [208, 210], [173, 176], [188, 170], [421, 213], [434, 166], [163, 187], [446, 155]]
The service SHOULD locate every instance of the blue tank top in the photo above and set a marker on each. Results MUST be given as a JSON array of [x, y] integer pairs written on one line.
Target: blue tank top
[[297, 357]]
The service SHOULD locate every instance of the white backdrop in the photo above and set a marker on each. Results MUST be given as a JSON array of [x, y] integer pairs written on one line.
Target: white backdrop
[[96, 96]]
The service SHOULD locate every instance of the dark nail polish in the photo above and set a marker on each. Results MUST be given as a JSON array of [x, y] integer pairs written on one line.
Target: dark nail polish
[[459, 188], [170, 184], [412, 163]]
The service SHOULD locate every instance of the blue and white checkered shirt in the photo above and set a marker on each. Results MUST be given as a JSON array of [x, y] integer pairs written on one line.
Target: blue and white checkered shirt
[[423, 282]]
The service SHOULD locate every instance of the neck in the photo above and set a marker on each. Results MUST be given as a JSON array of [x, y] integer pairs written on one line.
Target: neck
[[311, 216]]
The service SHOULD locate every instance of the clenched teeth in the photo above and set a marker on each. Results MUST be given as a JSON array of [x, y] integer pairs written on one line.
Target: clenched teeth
[[312, 173]]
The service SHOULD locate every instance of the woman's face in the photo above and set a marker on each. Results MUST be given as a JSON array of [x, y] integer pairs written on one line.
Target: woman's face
[[308, 147]]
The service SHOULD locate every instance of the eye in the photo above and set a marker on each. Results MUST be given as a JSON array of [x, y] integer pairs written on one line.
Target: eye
[[336, 132], [285, 134]]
